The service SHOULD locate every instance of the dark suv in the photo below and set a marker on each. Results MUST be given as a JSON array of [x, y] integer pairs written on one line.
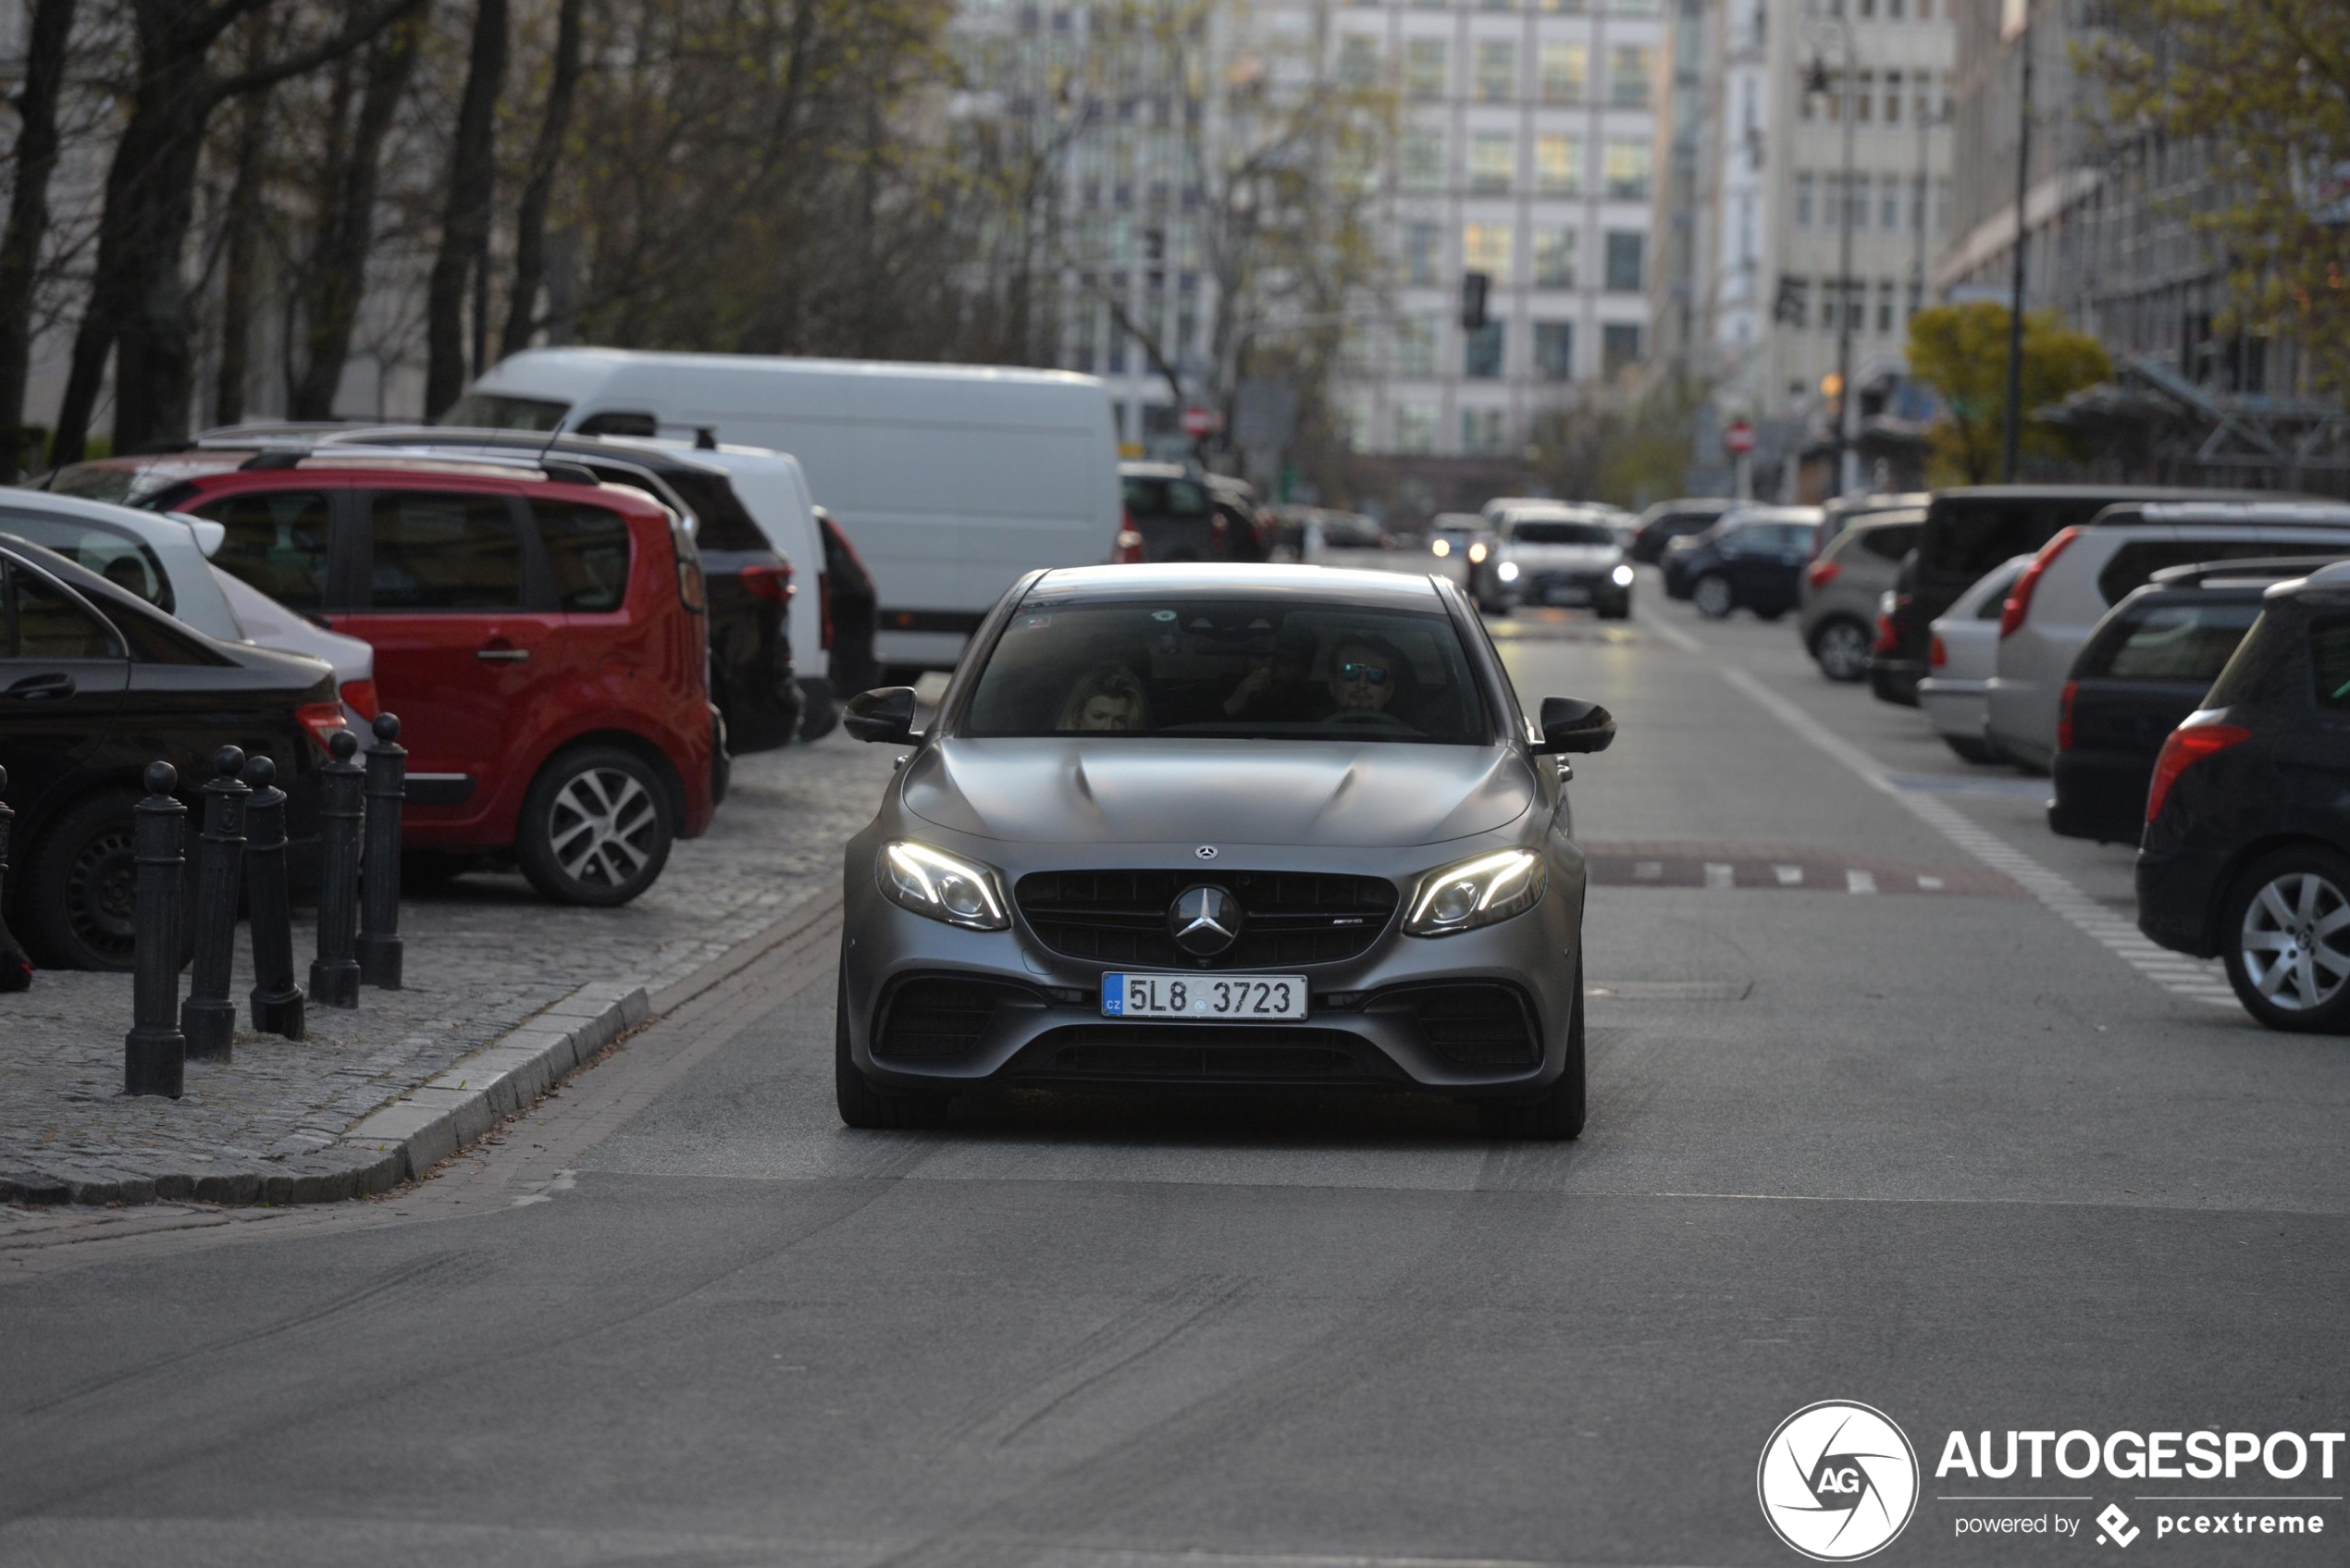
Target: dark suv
[[2246, 853]]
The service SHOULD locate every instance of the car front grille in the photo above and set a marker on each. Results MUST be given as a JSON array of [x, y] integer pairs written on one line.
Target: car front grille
[[1474, 1025], [1202, 1054], [932, 1018], [1290, 917]]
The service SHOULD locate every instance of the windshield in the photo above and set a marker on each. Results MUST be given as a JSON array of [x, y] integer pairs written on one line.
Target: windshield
[[121, 560], [138, 481], [1270, 668], [2186, 643], [1562, 533], [1165, 497], [496, 411]]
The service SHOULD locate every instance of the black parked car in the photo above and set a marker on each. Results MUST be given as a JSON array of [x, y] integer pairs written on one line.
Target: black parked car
[[1753, 559], [2246, 853], [1174, 512], [94, 685], [753, 678], [848, 610], [1670, 519], [2143, 671]]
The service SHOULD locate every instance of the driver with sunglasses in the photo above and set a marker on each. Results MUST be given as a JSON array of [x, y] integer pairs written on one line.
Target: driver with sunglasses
[[1364, 673]]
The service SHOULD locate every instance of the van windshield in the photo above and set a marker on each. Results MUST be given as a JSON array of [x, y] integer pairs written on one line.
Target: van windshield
[[496, 411], [1562, 533], [1269, 668]]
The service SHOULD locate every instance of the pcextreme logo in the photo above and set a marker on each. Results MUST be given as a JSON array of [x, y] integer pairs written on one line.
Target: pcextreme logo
[[1838, 1481]]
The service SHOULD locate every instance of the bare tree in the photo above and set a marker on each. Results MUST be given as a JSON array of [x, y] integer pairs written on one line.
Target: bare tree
[[35, 160], [539, 186], [466, 220]]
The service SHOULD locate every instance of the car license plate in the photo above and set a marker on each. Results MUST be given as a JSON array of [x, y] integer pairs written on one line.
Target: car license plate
[[1253, 997], [1565, 593]]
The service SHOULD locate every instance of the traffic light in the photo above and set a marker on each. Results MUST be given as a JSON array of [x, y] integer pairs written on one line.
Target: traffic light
[[1473, 288]]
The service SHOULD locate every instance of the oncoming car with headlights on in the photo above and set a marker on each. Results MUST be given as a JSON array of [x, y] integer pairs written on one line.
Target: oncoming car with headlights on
[[1210, 826]]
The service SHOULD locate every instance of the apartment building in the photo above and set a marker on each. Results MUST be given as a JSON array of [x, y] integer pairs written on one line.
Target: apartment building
[[1819, 120]]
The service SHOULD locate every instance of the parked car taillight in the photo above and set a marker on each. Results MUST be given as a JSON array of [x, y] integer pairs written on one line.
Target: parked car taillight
[[2019, 603], [360, 698], [1820, 573], [1937, 654], [2203, 734], [322, 720], [1887, 639], [1127, 550], [2064, 715], [770, 582]]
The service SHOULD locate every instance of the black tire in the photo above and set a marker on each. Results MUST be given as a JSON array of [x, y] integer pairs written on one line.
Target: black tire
[[1978, 752], [2311, 883], [821, 718], [862, 1103], [80, 888], [1713, 597], [622, 856], [1555, 1115], [1841, 648]]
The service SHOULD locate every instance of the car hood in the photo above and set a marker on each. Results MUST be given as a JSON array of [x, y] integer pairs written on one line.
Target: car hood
[[1310, 794]]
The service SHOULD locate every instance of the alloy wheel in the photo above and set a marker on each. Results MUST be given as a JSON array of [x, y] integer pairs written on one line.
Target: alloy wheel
[[1842, 650], [2295, 942], [603, 827]]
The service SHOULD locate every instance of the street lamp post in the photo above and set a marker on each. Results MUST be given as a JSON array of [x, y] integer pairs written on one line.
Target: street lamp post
[[1847, 460]]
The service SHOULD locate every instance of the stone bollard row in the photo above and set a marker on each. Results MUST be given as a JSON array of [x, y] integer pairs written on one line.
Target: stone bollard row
[[379, 905], [154, 1053], [208, 1019]]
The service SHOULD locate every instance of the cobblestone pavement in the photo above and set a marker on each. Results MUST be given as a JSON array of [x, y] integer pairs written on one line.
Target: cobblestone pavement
[[482, 955]]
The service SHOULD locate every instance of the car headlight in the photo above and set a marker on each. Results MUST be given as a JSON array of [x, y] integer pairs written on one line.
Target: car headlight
[[1477, 554], [1621, 577], [1507, 571], [1476, 893], [1440, 548], [945, 888]]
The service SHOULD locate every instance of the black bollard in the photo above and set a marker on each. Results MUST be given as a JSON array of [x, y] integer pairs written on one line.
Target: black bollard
[[277, 1000], [208, 1018], [334, 974], [379, 899], [16, 970], [153, 1054]]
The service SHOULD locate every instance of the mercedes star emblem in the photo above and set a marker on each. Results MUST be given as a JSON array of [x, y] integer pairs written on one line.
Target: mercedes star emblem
[[1204, 921], [1206, 852]]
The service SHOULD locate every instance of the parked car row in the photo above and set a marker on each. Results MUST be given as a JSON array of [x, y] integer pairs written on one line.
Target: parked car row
[[574, 630], [2176, 662]]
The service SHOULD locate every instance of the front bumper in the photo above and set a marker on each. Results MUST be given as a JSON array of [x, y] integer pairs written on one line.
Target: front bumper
[[1595, 589], [1037, 1018]]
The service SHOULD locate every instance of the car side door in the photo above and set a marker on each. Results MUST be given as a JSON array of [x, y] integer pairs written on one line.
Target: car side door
[[450, 588], [63, 674]]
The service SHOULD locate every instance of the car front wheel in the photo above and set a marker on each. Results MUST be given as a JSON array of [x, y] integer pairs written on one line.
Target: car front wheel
[[861, 1102], [2286, 934], [1714, 600], [596, 828], [1841, 648]]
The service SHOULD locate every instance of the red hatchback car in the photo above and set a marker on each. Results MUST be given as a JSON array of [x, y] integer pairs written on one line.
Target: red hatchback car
[[542, 636]]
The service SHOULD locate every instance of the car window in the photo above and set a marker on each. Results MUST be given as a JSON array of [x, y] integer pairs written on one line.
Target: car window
[[1969, 536], [2134, 564], [1995, 597], [441, 550], [45, 625], [117, 555], [1892, 541], [720, 520], [495, 410], [1165, 497], [1252, 668], [277, 541], [2187, 643], [2330, 658], [1548, 533], [587, 552]]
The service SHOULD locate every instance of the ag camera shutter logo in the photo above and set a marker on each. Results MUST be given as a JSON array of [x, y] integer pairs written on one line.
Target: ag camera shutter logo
[[1838, 1481]]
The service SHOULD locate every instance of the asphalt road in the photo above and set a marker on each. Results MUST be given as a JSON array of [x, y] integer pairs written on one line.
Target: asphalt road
[[1911, 1128]]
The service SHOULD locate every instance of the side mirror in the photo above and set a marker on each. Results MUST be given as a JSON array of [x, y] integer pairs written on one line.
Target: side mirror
[[1571, 724], [887, 714]]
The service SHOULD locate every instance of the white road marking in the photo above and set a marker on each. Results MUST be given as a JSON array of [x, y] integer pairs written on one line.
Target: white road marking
[[1671, 633], [2168, 969], [1789, 876], [1859, 881], [1719, 875], [1929, 884]]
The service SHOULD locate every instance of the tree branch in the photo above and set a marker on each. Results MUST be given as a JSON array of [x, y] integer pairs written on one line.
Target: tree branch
[[310, 59]]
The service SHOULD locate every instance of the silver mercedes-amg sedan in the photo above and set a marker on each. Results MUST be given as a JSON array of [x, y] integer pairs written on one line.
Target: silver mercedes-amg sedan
[[1228, 827]]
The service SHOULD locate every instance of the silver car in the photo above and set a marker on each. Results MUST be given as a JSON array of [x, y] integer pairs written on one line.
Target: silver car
[[1958, 661], [1839, 593], [1204, 826]]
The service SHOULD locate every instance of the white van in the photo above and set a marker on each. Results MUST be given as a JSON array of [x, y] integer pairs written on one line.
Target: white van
[[952, 480]]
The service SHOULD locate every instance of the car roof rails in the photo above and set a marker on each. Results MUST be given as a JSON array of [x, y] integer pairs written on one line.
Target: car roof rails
[[2270, 567]]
